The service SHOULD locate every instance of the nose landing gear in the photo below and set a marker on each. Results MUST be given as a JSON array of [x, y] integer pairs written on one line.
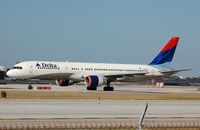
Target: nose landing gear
[[30, 87]]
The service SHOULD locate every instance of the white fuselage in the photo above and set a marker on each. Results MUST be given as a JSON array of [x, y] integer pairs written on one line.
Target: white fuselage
[[75, 70]]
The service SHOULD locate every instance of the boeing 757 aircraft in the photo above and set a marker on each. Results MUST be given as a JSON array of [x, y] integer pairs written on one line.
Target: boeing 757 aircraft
[[97, 74]]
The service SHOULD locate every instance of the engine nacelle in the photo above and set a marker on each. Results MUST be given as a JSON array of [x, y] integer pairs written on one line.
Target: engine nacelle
[[64, 82], [93, 81]]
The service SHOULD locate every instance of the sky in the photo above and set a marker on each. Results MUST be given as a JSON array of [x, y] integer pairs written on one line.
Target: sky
[[111, 31]]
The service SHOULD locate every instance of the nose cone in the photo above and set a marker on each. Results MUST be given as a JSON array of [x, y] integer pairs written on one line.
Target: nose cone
[[10, 73]]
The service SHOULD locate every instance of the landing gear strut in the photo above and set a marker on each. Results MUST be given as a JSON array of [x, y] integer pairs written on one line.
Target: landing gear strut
[[108, 87]]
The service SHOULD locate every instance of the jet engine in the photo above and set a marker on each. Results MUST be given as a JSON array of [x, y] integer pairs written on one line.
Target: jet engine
[[93, 81], [64, 82]]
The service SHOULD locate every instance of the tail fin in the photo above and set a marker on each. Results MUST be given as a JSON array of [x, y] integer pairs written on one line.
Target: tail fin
[[166, 53]]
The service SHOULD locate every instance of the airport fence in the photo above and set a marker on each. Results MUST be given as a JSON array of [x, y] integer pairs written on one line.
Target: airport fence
[[99, 124]]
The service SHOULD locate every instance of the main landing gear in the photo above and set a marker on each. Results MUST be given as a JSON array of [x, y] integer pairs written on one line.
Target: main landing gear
[[108, 87]]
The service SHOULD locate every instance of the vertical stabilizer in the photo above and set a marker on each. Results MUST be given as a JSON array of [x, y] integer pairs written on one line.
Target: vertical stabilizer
[[166, 53]]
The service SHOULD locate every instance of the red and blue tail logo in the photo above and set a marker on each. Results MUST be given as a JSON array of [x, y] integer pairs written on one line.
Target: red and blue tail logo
[[167, 52]]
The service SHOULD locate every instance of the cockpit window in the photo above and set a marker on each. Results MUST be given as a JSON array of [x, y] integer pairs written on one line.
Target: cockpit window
[[17, 67]]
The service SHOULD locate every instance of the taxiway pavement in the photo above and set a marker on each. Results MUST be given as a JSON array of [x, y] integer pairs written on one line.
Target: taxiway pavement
[[118, 87], [96, 108]]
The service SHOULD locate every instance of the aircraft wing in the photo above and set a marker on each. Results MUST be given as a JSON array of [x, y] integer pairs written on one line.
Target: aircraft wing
[[162, 73], [172, 72], [115, 76]]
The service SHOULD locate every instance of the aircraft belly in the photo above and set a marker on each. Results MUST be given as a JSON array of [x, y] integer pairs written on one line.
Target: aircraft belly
[[53, 76]]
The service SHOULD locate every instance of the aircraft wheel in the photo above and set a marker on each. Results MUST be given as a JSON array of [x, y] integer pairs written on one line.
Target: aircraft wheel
[[108, 88], [91, 88], [30, 87]]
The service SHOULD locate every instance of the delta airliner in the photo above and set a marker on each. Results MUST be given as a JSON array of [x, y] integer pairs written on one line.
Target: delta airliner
[[97, 74]]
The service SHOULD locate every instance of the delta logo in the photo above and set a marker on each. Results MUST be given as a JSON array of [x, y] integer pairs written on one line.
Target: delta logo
[[46, 66]]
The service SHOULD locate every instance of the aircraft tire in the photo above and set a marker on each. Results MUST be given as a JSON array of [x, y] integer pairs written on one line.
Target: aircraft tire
[[30, 87], [90, 88], [108, 88]]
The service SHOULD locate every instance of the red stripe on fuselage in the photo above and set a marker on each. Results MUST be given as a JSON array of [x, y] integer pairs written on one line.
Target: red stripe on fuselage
[[170, 44]]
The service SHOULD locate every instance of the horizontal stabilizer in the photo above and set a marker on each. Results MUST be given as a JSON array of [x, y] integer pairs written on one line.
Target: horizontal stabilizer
[[172, 72]]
